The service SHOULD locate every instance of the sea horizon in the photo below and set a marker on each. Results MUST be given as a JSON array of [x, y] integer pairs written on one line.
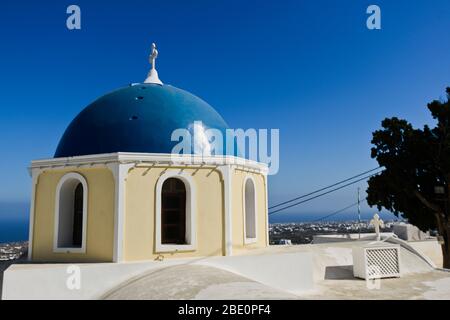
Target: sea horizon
[[317, 217], [14, 219]]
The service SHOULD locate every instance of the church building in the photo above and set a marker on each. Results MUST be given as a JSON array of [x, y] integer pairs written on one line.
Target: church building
[[115, 191]]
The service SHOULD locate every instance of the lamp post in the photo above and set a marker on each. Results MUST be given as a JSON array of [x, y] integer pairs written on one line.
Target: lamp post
[[441, 195], [439, 191]]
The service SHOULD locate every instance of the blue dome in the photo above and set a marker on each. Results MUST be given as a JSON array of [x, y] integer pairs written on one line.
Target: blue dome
[[138, 118]]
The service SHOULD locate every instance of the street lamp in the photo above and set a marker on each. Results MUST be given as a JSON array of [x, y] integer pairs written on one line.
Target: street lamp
[[439, 190]]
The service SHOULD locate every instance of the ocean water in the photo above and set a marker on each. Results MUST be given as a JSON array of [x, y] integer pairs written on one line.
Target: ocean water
[[13, 230], [310, 217], [13, 221]]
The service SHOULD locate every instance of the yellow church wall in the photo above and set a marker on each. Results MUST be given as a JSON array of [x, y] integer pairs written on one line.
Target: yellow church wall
[[100, 216], [140, 213], [139, 234], [239, 245]]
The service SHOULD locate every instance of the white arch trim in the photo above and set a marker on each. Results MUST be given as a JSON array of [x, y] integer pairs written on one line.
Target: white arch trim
[[248, 239], [67, 177], [191, 213]]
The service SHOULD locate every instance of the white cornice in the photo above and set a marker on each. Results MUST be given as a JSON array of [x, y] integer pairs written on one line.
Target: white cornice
[[159, 158]]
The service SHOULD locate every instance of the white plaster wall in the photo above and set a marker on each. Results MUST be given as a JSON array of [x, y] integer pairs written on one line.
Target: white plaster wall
[[48, 281], [429, 248], [290, 272]]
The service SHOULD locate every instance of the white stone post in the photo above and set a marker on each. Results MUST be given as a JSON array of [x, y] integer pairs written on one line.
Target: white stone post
[[227, 174], [35, 173], [120, 173]]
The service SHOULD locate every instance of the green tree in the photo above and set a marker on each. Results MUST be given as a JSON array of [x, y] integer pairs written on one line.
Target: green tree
[[415, 181]]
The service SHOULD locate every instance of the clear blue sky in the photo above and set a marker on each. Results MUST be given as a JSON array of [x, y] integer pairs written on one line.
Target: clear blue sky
[[310, 68]]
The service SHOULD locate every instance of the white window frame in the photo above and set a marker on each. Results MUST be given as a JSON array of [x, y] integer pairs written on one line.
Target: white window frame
[[191, 214], [62, 181], [246, 239]]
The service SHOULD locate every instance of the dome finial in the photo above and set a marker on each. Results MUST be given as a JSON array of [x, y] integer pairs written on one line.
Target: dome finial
[[152, 76]]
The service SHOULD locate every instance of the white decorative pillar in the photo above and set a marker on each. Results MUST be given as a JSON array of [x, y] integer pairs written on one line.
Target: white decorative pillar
[[227, 174], [120, 173], [35, 173]]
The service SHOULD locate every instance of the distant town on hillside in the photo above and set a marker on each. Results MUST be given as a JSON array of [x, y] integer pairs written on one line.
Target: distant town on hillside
[[303, 232]]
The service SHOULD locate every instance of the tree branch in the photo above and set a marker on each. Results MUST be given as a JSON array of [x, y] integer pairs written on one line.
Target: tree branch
[[426, 203]]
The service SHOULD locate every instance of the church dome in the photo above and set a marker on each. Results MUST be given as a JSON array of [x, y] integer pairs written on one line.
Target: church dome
[[137, 118]]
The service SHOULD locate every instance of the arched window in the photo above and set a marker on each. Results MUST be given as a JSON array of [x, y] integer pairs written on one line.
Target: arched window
[[173, 212], [78, 216], [249, 210], [175, 226], [71, 214]]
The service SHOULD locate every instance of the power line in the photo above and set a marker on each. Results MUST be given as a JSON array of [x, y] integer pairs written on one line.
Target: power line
[[322, 189], [324, 193], [340, 210]]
